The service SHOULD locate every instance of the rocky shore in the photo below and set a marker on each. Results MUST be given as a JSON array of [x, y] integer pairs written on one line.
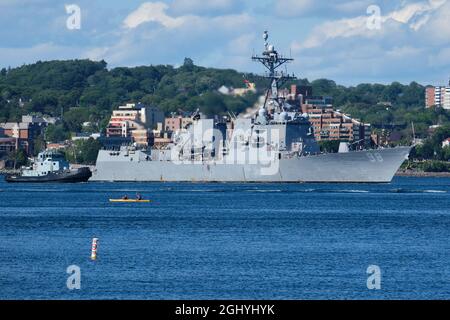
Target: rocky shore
[[5, 171]]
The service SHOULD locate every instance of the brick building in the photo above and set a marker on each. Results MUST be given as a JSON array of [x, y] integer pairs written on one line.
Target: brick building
[[175, 123], [328, 124], [24, 133], [135, 122]]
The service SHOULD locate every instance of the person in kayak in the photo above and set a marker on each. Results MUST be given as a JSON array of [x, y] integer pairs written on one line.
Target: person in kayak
[[138, 196], [125, 197]]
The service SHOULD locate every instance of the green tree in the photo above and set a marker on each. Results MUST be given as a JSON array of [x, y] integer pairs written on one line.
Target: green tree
[[85, 151], [39, 145], [56, 133], [75, 117], [446, 153], [19, 158], [188, 64], [436, 166], [329, 146]]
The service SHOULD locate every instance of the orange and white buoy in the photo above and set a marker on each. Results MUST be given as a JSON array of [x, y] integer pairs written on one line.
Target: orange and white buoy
[[94, 249]]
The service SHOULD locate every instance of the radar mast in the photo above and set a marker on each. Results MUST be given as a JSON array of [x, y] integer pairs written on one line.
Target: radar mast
[[272, 60]]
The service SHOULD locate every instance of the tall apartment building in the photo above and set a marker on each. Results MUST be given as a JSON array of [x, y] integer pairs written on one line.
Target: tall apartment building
[[438, 96], [328, 124], [447, 98], [134, 121]]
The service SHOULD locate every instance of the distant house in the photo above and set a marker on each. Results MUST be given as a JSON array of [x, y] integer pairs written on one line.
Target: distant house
[[433, 128], [44, 120], [446, 143], [57, 146], [225, 90], [85, 137], [249, 87]]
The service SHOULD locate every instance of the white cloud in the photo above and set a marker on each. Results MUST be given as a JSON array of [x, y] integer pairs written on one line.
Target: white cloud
[[158, 12], [415, 16], [152, 12], [412, 44], [438, 26], [307, 8], [333, 40], [153, 34], [330, 30]]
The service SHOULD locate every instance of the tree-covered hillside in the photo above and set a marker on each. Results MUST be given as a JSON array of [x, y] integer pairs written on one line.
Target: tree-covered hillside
[[393, 106], [87, 91], [84, 91]]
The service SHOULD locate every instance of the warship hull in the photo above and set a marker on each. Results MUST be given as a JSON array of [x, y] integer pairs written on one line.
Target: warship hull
[[368, 166]]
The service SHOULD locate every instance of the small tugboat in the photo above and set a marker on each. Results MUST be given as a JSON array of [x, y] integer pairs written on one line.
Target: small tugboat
[[50, 166]]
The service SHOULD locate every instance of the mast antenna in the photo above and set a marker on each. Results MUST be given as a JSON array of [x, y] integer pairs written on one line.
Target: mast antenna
[[272, 60]]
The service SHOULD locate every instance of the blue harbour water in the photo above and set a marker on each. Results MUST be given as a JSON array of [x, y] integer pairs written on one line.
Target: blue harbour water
[[227, 241]]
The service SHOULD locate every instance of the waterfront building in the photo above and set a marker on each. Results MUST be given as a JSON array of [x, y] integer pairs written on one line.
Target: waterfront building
[[328, 123], [134, 121], [176, 123], [26, 131], [7, 145]]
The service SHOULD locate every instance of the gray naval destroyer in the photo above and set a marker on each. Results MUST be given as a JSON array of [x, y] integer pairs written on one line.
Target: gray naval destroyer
[[275, 144]]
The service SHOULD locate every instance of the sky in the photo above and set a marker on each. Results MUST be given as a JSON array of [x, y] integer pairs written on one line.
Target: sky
[[349, 41]]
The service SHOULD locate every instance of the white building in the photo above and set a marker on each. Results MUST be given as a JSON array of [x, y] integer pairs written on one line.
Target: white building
[[446, 143], [438, 96], [446, 99]]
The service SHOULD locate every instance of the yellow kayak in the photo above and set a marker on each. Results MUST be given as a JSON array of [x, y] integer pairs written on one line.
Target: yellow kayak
[[129, 201]]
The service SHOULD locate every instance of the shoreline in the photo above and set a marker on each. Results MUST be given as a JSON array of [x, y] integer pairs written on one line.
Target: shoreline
[[423, 174], [5, 172]]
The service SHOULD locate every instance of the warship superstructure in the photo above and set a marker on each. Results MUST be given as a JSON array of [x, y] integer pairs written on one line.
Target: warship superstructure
[[275, 144]]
